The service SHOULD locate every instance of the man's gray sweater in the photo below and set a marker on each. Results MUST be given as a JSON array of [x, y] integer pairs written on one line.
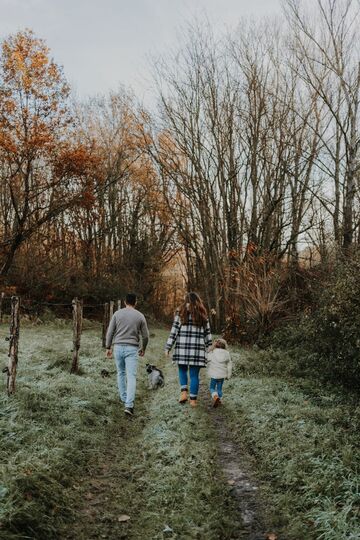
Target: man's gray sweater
[[126, 327]]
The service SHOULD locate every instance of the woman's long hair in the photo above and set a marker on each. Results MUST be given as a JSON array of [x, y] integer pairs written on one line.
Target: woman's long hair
[[194, 306]]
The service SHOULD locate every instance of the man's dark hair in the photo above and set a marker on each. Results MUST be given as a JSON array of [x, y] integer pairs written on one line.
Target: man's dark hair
[[130, 299]]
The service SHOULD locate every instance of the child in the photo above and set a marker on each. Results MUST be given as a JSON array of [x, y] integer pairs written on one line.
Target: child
[[219, 368]]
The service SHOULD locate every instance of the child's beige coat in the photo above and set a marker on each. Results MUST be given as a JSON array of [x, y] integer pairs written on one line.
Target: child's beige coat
[[219, 364]]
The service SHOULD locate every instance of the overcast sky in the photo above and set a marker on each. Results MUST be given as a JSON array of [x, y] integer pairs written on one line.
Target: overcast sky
[[104, 43]]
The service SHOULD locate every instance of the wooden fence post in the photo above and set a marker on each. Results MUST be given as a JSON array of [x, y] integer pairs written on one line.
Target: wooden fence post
[[119, 304], [105, 323], [14, 344], [111, 310], [77, 306], [1, 306]]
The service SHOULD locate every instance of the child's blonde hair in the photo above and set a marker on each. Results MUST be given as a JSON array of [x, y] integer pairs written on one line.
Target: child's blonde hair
[[219, 343]]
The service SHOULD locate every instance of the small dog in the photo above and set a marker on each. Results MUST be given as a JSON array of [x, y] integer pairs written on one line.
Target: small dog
[[155, 376]]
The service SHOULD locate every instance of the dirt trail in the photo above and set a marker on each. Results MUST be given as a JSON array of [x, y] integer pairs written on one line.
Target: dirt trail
[[236, 469]]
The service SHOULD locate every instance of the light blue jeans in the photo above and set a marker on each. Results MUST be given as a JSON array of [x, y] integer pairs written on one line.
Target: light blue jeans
[[126, 360], [216, 387]]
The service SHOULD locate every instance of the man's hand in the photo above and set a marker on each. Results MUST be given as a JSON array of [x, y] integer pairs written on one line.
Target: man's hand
[[141, 352], [167, 354], [108, 353]]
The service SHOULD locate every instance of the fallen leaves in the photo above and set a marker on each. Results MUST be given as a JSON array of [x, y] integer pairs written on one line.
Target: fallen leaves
[[123, 518]]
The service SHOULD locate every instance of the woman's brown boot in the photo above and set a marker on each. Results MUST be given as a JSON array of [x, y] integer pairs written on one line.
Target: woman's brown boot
[[183, 397]]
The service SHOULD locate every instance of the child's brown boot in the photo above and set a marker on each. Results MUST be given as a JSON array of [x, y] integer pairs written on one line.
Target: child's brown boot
[[193, 402], [183, 396], [216, 400]]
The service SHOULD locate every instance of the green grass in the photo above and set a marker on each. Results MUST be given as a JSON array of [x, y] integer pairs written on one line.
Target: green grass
[[66, 442], [50, 429], [71, 464], [305, 443]]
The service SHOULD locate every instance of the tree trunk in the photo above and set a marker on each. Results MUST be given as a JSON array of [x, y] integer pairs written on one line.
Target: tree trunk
[[350, 191], [10, 256], [1, 306]]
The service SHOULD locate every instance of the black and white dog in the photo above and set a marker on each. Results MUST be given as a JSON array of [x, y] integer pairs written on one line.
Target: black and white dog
[[155, 376]]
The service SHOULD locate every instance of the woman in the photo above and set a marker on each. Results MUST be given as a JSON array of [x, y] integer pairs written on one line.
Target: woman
[[191, 336]]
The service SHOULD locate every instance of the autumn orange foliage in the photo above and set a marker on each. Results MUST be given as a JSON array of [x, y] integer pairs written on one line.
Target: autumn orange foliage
[[43, 168]]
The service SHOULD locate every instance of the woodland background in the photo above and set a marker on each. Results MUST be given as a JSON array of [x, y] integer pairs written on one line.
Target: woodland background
[[243, 184]]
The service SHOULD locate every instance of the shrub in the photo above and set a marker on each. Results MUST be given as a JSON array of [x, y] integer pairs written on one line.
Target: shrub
[[326, 339], [255, 303]]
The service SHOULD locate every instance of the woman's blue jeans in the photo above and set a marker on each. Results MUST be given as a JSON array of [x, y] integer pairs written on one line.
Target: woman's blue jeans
[[194, 379], [216, 387]]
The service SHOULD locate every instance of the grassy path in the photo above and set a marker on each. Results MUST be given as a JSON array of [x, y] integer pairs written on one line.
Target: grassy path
[[71, 463], [160, 469], [281, 455]]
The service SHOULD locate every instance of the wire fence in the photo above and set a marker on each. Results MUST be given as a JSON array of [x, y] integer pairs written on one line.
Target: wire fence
[[77, 305], [35, 305]]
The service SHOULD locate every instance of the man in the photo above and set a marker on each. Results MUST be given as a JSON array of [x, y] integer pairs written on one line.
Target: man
[[125, 329]]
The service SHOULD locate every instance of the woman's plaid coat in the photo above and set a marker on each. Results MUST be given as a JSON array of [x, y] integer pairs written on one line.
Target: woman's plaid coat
[[191, 342]]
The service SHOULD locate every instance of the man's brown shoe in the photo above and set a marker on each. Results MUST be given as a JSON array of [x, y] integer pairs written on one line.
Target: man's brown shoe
[[183, 396], [193, 402]]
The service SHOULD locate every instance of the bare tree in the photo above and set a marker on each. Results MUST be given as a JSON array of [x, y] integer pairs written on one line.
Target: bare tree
[[326, 42]]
